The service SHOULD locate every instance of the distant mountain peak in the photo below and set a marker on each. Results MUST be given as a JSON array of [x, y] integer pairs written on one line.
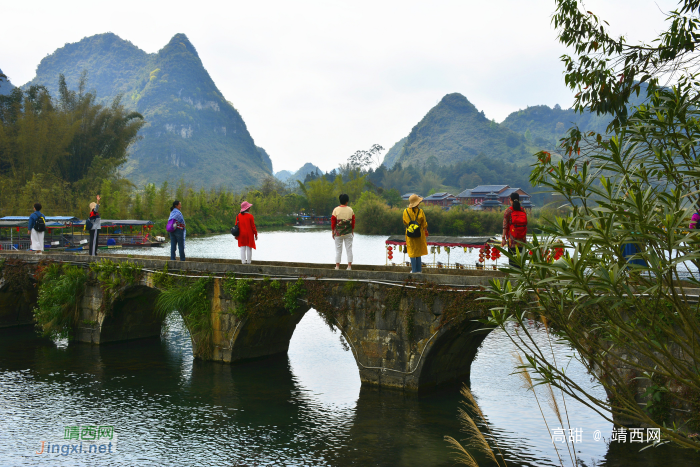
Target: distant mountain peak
[[179, 44], [455, 131], [192, 132], [457, 101]]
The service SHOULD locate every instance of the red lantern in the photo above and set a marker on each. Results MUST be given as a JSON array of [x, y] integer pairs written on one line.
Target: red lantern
[[17, 228]]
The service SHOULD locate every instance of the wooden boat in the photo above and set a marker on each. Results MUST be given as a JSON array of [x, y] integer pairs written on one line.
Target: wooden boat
[[14, 235], [119, 233], [68, 233]]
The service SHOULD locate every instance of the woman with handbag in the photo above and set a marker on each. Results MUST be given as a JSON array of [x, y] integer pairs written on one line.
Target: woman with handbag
[[416, 233], [176, 228], [247, 233]]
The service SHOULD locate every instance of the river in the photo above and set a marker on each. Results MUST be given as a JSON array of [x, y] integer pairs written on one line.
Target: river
[[303, 409]]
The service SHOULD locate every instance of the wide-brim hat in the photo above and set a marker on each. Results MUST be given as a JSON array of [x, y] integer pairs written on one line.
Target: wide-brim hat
[[245, 205], [414, 200]]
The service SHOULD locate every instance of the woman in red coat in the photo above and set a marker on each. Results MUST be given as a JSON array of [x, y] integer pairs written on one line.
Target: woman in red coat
[[248, 233]]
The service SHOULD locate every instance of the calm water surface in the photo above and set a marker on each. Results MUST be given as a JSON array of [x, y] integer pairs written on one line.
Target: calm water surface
[[304, 409]]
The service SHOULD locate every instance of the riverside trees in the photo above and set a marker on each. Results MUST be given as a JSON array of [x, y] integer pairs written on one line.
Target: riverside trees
[[58, 149], [631, 319]]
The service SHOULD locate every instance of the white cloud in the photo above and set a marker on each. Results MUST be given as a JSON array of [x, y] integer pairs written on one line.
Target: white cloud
[[317, 80]]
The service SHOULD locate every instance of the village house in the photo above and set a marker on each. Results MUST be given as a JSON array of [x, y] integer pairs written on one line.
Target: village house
[[486, 196], [440, 199]]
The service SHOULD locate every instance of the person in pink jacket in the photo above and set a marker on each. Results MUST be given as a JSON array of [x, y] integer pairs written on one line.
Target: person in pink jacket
[[694, 220], [248, 233]]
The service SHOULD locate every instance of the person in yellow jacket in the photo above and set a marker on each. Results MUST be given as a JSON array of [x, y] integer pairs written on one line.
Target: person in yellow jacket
[[416, 246]]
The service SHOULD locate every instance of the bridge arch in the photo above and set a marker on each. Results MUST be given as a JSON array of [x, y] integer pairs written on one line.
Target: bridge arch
[[130, 315], [448, 358]]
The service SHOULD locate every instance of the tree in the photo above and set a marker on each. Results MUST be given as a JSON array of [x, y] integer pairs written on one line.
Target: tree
[[392, 197], [363, 160], [429, 181], [611, 278], [607, 70]]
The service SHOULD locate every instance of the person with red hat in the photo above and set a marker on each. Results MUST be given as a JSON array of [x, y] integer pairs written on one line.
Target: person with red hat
[[248, 234]]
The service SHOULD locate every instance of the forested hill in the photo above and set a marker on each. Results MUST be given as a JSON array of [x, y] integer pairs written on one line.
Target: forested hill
[[5, 85], [192, 132], [394, 152], [544, 126], [456, 131]]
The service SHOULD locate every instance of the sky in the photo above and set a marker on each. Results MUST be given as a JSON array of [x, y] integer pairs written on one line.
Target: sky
[[316, 81]]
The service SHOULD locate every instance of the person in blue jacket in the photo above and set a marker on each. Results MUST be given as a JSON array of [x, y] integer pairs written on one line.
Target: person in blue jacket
[[36, 228], [177, 237]]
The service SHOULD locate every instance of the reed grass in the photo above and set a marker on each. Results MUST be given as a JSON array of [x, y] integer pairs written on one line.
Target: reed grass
[[475, 440]]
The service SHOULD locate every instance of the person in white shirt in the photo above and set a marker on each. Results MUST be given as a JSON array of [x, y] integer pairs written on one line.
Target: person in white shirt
[[343, 228]]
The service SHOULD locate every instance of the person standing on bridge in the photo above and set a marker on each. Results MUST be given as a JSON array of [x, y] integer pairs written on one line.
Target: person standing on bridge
[[37, 227], [177, 236], [343, 230], [416, 233], [93, 224], [514, 228], [248, 233]]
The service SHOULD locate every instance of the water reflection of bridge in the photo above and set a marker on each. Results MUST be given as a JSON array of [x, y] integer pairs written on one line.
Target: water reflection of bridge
[[405, 331]]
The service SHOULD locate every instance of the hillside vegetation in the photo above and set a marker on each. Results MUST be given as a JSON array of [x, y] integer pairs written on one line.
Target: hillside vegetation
[[191, 129]]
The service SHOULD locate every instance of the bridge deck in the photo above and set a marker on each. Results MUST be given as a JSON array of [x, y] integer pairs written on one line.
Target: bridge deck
[[454, 277]]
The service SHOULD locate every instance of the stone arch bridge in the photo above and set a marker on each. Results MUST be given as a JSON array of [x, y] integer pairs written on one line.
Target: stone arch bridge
[[405, 331]]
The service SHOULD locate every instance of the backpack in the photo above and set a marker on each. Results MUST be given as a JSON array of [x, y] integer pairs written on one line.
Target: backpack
[[40, 224], [518, 225], [171, 226], [413, 229]]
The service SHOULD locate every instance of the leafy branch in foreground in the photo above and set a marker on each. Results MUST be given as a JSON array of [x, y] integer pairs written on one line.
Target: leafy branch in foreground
[[621, 294]]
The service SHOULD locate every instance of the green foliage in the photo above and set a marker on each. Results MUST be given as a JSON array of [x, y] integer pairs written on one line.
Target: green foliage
[[163, 280], [607, 72], [113, 276], [54, 149], [239, 290], [295, 290], [60, 291], [127, 272], [193, 303], [638, 186], [392, 197]]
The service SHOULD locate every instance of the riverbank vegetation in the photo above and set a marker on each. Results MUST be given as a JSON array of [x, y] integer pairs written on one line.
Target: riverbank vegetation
[[620, 295]]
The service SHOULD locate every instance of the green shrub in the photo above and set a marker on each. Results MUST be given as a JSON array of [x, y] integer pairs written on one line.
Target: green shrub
[[60, 292]]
